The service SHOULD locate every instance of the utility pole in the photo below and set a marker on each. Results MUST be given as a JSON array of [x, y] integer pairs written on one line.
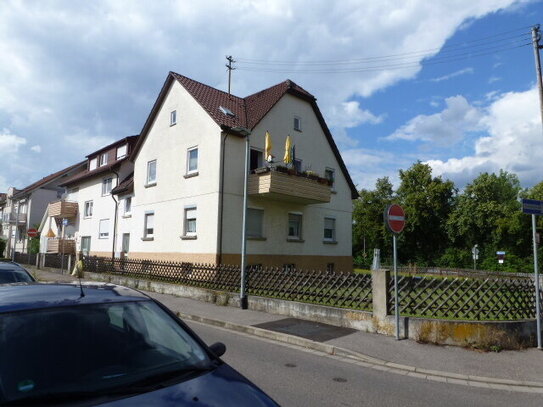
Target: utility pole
[[536, 37], [230, 69]]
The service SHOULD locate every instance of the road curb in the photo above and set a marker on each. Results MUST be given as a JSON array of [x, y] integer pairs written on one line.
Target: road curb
[[371, 362]]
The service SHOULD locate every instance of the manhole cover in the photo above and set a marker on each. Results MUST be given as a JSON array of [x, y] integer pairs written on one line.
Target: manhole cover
[[339, 379]]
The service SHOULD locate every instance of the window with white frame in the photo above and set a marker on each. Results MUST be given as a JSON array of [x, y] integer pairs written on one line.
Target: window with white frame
[[190, 221], [122, 151], [93, 164], [103, 232], [330, 229], [103, 159], [329, 174], [87, 211], [173, 117], [149, 225], [151, 172], [294, 226], [192, 160], [107, 186], [255, 218], [127, 206], [297, 123]]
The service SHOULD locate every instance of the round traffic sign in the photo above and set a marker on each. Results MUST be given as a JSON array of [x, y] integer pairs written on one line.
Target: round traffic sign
[[395, 218], [32, 232]]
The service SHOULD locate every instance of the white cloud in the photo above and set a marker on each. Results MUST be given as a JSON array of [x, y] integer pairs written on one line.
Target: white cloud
[[36, 148], [493, 79], [10, 143], [445, 128], [514, 142], [453, 75]]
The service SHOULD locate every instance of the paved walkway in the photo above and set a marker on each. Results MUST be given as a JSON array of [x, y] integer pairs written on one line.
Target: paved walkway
[[506, 370]]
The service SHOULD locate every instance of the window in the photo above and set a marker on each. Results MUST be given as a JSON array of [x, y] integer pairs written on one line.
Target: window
[[121, 151], [149, 225], [298, 165], [103, 159], [330, 176], [330, 267], [127, 206], [192, 160], [297, 123], [104, 229], [88, 209], [190, 221], [256, 159], [294, 226], [107, 185], [173, 117], [92, 164], [151, 172], [85, 245], [330, 229], [126, 242], [254, 222]]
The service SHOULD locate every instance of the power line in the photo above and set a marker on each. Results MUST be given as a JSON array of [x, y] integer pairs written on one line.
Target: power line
[[399, 65]]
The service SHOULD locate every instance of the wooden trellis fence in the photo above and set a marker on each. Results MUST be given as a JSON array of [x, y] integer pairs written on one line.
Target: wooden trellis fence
[[321, 287], [465, 298]]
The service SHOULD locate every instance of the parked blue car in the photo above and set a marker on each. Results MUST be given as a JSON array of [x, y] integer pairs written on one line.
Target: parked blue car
[[11, 272], [103, 344]]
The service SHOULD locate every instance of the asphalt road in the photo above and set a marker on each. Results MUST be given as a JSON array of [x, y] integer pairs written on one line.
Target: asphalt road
[[298, 378]]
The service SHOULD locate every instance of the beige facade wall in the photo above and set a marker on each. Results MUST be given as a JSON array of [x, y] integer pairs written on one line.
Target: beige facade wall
[[175, 190], [341, 263], [202, 258]]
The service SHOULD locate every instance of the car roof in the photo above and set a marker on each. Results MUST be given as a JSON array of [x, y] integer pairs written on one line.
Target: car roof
[[10, 265], [27, 296]]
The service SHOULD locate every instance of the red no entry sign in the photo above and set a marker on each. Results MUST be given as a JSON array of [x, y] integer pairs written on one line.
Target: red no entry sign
[[32, 232], [395, 218]]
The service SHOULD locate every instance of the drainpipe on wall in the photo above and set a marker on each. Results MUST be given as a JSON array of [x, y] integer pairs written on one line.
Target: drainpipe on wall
[[115, 216], [16, 231], [221, 199]]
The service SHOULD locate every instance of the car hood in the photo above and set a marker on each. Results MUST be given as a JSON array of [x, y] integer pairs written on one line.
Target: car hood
[[221, 387]]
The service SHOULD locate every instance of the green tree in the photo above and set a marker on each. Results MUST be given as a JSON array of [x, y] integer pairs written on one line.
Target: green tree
[[427, 202], [488, 213], [369, 231]]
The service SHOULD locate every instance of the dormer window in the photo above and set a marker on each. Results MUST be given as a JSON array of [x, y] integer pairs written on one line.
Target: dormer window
[[173, 117], [297, 123], [121, 151], [103, 159], [92, 164]]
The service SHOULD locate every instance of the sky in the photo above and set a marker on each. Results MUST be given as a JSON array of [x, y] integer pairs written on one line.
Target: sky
[[450, 83]]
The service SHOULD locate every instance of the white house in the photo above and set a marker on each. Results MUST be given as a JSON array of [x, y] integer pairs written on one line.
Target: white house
[[189, 176], [24, 207], [89, 218]]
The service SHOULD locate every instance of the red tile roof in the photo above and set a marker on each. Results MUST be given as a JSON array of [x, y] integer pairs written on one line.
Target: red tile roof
[[45, 180], [248, 111]]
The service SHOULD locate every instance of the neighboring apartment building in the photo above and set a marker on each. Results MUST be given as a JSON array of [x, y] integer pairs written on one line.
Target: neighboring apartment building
[[89, 218], [189, 176], [24, 208]]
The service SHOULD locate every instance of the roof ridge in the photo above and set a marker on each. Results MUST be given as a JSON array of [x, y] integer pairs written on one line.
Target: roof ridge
[[207, 86]]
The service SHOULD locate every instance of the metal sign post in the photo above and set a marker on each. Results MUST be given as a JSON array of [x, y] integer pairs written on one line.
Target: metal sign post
[[534, 207], [475, 254], [395, 220]]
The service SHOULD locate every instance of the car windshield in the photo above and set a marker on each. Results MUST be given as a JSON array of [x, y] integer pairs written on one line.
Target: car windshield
[[93, 349], [14, 275]]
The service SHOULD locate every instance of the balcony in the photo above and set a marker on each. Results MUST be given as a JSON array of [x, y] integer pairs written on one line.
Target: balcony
[[63, 209], [12, 218], [66, 246], [288, 185]]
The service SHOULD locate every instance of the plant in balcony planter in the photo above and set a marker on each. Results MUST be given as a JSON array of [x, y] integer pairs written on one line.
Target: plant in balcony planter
[[281, 168], [312, 175], [292, 171]]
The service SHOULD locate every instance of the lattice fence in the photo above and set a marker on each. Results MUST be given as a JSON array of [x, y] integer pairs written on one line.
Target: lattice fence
[[465, 298], [327, 288], [25, 258]]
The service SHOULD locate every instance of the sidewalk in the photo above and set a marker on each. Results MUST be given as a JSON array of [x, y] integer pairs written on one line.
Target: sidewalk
[[507, 370]]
